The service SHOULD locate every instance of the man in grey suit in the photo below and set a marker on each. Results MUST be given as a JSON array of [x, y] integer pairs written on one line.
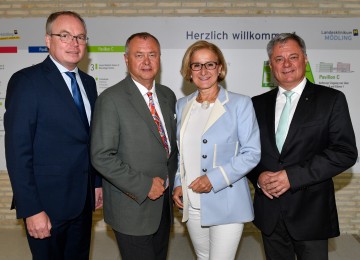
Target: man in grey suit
[[133, 146]]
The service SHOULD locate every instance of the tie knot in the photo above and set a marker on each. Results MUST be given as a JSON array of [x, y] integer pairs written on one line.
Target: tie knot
[[72, 75], [149, 95], [288, 93]]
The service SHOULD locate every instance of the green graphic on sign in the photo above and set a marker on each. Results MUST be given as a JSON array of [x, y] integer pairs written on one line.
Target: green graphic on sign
[[309, 74], [267, 78], [106, 48]]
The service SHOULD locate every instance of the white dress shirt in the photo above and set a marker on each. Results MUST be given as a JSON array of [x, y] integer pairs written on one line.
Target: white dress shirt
[[192, 148]]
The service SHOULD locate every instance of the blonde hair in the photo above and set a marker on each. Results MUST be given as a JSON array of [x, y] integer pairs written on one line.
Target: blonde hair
[[199, 45]]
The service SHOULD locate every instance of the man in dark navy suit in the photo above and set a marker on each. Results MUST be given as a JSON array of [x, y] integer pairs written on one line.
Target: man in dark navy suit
[[48, 112], [294, 201]]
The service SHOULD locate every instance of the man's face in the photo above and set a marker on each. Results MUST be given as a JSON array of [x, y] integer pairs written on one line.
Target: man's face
[[67, 54], [288, 64], [143, 60]]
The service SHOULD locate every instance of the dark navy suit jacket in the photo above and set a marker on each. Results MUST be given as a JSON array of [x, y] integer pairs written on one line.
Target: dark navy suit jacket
[[46, 143]]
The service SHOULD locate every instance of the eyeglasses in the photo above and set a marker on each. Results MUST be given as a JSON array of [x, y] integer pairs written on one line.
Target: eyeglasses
[[67, 38], [211, 65]]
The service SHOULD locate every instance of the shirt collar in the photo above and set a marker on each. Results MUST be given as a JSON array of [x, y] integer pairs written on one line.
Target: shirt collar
[[298, 89], [143, 90], [61, 68]]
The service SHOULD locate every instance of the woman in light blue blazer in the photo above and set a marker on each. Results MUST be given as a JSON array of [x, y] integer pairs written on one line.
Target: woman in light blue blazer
[[219, 144]]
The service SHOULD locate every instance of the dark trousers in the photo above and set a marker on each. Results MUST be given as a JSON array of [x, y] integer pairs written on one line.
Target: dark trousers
[[281, 246], [150, 247], [69, 240]]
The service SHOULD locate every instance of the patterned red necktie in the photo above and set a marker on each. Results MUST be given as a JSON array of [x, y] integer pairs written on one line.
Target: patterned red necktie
[[158, 122]]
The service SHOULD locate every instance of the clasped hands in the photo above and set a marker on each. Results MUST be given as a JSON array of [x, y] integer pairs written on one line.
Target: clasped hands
[[274, 184], [201, 184]]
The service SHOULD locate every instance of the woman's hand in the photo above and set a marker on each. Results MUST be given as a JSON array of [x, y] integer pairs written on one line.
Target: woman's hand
[[201, 185], [177, 197]]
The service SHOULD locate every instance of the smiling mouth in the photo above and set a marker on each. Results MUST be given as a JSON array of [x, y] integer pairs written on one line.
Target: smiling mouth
[[287, 72], [204, 78]]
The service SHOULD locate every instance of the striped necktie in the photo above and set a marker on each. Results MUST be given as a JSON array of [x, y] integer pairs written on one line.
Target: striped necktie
[[157, 121]]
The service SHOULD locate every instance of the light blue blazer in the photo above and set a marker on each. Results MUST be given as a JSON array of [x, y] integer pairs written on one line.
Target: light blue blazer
[[230, 148]]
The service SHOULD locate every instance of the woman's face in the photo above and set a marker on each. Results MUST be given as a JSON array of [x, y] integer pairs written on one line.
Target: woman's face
[[207, 76]]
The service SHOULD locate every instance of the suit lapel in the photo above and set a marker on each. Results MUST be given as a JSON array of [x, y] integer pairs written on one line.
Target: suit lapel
[[166, 112], [302, 109], [218, 110], [186, 115], [270, 117], [59, 85], [90, 94]]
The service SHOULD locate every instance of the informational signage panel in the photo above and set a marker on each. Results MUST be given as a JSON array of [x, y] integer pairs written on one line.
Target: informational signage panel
[[333, 48]]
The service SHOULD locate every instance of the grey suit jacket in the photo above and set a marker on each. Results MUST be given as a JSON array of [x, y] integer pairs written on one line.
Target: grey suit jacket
[[126, 148]]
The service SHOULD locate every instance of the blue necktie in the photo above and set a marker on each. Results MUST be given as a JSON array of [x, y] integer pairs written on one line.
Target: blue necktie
[[78, 98], [283, 126]]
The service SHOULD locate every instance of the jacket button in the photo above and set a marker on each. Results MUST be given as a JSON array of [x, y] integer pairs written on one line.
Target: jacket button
[[204, 170], [204, 141], [204, 156]]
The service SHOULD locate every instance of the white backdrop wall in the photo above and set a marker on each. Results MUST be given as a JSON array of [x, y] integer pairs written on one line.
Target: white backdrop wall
[[333, 48]]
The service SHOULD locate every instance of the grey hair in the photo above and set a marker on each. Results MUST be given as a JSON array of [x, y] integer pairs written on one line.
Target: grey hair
[[282, 38]]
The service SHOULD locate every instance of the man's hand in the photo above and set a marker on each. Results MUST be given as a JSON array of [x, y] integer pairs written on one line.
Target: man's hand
[[201, 184], [274, 184], [279, 184], [39, 225], [98, 198], [157, 188], [177, 197], [263, 181]]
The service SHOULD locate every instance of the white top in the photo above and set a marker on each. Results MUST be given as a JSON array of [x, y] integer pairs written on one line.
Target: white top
[[192, 148], [281, 100], [67, 79], [143, 90]]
